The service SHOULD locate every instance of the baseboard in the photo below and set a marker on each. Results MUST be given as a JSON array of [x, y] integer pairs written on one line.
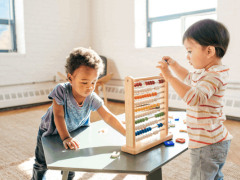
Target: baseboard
[[24, 106]]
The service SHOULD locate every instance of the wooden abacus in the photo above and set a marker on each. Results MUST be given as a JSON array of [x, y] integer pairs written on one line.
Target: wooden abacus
[[146, 113]]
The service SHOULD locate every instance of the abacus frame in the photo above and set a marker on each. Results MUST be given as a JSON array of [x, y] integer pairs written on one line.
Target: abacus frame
[[133, 147]]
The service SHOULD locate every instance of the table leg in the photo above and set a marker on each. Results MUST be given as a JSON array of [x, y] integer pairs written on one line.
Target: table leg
[[65, 175], [155, 175]]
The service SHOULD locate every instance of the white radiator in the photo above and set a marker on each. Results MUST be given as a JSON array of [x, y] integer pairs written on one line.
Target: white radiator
[[113, 92], [11, 96]]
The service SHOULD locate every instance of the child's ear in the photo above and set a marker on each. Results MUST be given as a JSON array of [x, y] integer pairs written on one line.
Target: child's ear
[[211, 51], [69, 76]]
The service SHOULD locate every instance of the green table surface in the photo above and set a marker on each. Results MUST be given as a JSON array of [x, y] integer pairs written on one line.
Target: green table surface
[[96, 149]]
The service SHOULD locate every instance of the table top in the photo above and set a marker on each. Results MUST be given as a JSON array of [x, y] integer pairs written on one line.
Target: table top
[[96, 148]]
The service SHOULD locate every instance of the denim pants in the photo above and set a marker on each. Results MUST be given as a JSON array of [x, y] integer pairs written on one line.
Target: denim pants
[[207, 162], [40, 167]]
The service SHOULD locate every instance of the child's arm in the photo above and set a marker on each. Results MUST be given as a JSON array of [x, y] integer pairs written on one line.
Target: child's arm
[[180, 88], [197, 95], [59, 120], [111, 119], [180, 71]]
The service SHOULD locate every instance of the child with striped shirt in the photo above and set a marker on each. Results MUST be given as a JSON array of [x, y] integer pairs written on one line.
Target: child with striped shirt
[[206, 42]]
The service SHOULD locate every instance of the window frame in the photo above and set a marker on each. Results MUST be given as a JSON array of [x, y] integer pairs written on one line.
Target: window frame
[[12, 24], [150, 21]]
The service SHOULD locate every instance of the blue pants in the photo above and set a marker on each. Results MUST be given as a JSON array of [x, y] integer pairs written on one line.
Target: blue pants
[[40, 167], [208, 161]]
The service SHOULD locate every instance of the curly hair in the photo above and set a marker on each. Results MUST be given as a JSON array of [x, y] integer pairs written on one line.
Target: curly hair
[[83, 57]]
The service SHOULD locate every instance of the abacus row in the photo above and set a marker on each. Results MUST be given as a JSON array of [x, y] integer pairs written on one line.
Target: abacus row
[[147, 83], [146, 113], [143, 89], [147, 118]]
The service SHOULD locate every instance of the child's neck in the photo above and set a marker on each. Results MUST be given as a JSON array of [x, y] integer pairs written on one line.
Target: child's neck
[[79, 102], [213, 62], [79, 99]]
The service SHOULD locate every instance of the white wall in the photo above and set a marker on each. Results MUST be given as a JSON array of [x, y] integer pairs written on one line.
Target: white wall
[[113, 36], [228, 13], [51, 29]]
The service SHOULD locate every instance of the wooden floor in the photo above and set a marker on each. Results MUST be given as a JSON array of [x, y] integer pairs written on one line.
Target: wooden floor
[[118, 108]]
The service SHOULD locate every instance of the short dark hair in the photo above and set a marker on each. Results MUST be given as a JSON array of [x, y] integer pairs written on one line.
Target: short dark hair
[[209, 32], [83, 57]]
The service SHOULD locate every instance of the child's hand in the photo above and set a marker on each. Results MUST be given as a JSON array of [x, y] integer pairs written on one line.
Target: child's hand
[[169, 60], [71, 143], [163, 66]]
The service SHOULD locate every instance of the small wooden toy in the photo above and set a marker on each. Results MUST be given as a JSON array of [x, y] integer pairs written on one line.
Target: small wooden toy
[[183, 130], [146, 113], [168, 143], [115, 155], [102, 131], [172, 125], [180, 140]]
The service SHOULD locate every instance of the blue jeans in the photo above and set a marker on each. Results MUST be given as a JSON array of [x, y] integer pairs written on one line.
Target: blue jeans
[[208, 161], [40, 167]]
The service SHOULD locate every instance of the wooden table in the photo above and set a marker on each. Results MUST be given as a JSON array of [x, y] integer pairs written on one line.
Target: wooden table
[[96, 149]]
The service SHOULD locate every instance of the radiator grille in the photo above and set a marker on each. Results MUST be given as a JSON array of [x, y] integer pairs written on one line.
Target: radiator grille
[[25, 94], [37, 93]]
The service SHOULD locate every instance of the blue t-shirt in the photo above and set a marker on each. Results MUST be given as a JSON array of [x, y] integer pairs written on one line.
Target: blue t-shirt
[[74, 115]]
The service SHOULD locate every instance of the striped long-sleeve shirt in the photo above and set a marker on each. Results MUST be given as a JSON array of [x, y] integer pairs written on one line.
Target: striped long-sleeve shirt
[[204, 100]]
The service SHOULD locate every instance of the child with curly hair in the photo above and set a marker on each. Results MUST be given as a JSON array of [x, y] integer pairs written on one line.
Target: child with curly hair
[[72, 104]]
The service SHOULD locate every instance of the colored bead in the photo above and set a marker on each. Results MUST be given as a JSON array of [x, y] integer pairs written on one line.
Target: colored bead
[[161, 81]]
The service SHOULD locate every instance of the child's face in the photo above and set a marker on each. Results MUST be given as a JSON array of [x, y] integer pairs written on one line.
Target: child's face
[[83, 81], [196, 54]]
